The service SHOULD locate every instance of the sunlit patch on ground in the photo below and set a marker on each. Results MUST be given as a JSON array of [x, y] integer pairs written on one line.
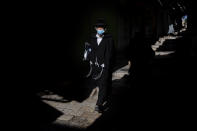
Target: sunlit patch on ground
[[75, 114], [79, 114], [162, 40]]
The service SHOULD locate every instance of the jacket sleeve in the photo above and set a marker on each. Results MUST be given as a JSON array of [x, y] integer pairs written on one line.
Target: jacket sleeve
[[110, 55], [91, 52]]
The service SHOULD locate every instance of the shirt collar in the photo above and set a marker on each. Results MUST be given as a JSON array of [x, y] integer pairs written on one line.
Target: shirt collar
[[97, 36]]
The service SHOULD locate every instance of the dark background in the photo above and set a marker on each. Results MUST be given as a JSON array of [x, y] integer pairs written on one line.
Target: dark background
[[48, 45], [52, 34]]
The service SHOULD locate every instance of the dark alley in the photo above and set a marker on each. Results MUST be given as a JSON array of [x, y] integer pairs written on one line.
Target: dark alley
[[153, 73]]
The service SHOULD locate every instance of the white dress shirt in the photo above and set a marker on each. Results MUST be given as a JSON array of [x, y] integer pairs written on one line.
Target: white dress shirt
[[99, 39]]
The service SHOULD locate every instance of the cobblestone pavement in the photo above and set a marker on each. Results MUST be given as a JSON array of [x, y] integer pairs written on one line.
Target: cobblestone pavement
[[79, 114], [75, 114]]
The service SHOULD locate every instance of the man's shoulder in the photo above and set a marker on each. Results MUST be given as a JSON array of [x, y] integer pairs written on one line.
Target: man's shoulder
[[107, 35]]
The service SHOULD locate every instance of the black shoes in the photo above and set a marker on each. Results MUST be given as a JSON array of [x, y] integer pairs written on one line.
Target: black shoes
[[99, 109]]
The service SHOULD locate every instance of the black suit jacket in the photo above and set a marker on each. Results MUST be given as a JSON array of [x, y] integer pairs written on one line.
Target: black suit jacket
[[105, 51]]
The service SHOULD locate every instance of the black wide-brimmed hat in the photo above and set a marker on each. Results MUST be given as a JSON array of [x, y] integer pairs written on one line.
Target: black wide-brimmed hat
[[100, 23]]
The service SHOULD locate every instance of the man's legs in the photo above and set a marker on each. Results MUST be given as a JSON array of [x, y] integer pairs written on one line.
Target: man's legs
[[102, 95], [104, 85]]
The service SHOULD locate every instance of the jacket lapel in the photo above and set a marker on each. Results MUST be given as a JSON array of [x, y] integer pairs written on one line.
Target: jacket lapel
[[101, 41], [95, 42]]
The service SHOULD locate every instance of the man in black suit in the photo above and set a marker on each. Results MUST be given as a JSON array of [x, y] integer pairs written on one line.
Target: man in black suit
[[101, 58]]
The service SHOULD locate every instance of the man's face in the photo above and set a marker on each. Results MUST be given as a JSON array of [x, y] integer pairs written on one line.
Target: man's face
[[100, 30]]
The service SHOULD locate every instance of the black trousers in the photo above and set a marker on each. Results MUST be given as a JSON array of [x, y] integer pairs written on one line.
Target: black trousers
[[104, 85]]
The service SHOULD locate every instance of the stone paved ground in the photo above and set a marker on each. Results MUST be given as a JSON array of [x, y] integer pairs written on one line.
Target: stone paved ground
[[76, 114]]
